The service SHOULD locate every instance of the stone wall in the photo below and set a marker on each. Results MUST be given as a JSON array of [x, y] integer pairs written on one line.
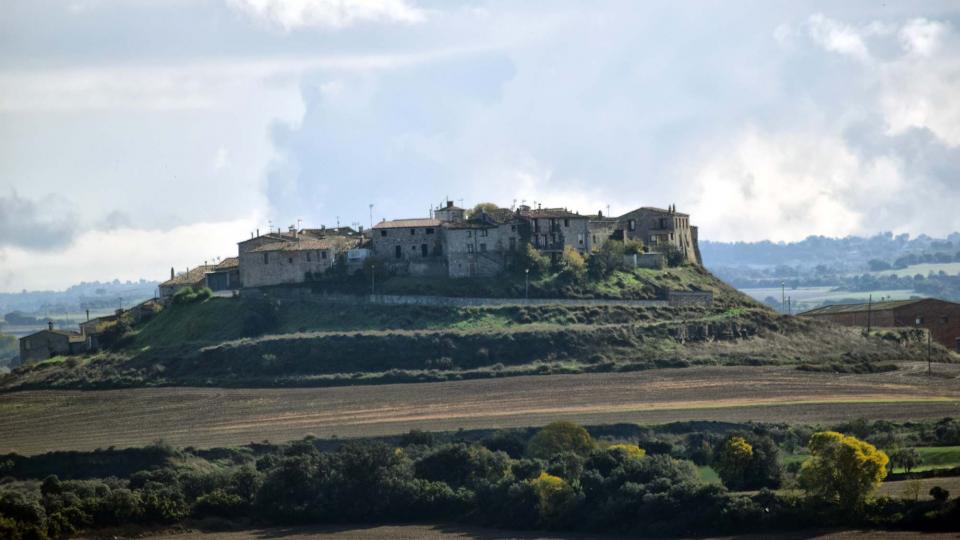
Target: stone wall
[[264, 268], [416, 244]]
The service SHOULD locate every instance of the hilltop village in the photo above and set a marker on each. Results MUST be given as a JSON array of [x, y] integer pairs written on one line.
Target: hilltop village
[[451, 243]]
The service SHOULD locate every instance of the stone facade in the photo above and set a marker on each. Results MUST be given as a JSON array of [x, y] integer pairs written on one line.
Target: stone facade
[[479, 247], [287, 262], [554, 229], [599, 230], [656, 227], [939, 317], [49, 343], [450, 213], [194, 277], [410, 246]]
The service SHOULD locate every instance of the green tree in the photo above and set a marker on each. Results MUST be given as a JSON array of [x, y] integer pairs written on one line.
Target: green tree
[[574, 266], [748, 462], [607, 260], [482, 207], [905, 458], [842, 468], [560, 437]]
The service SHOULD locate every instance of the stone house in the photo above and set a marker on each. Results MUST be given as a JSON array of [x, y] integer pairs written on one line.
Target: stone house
[[194, 277], [49, 343], [600, 229], [656, 228], [288, 261], [225, 276], [410, 246], [553, 229], [939, 317], [479, 247], [450, 213]]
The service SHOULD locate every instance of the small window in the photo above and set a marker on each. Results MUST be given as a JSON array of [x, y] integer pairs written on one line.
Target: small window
[[580, 239], [423, 250], [323, 254], [513, 243], [309, 257], [632, 225], [429, 230], [469, 234], [944, 320], [383, 232], [413, 232], [484, 232], [266, 258], [26, 345], [398, 252], [513, 228], [290, 260], [566, 222], [469, 248], [483, 247]]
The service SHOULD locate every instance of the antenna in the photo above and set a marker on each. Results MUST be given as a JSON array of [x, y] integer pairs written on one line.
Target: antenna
[[608, 210], [371, 215]]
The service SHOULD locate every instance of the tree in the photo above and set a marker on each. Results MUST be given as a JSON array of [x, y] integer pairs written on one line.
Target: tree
[[630, 450], [749, 462], [842, 468], [939, 494], [607, 260], [905, 458], [574, 266], [554, 496], [559, 437], [482, 207]]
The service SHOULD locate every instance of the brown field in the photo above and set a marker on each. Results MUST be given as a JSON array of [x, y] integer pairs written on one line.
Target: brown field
[[450, 532], [37, 421]]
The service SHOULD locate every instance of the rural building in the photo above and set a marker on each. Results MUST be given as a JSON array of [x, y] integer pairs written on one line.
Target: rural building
[[195, 278], [288, 260], [554, 229], [450, 213], [479, 246], [410, 246], [939, 317], [49, 343], [225, 276], [600, 229], [656, 228]]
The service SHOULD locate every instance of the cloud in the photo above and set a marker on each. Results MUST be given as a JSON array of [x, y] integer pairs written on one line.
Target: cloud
[[47, 224], [292, 14], [123, 253]]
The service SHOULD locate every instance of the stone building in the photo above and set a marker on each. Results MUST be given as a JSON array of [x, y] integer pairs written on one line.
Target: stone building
[[479, 247], [289, 260], [939, 317], [49, 343], [410, 246], [553, 229], [225, 276], [657, 228], [600, 229], [450, 213], [194, 277]]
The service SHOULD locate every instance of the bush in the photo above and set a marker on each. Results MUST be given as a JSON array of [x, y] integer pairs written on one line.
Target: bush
[[560, 437]]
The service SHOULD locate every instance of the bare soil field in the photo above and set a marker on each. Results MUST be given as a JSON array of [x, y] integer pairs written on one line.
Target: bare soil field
[[33, 422], [450, 532]]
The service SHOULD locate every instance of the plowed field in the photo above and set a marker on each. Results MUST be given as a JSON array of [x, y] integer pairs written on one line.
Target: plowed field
[[37, 421]]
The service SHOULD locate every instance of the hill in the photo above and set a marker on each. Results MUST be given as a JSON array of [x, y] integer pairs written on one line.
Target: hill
[[309, 341]]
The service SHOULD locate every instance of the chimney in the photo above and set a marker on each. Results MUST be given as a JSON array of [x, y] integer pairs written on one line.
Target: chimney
[[449, 204], [171, 273], [258, 233], [49, 325], [88, 315]]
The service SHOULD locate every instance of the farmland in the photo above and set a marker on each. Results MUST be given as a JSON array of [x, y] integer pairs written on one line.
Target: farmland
[[38, 421]]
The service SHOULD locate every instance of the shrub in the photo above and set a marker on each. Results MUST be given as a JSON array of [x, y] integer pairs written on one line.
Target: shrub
[[939, 494], [842, 469], [559, 437], [632, 451]]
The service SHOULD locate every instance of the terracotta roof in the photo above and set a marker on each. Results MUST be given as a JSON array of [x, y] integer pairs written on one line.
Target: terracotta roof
[[305, 243], [228, 263], [71, 336], [408, 223], [190, 277], [862, 308]]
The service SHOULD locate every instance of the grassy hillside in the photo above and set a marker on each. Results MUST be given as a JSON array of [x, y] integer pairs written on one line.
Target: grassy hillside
[[262, 342]]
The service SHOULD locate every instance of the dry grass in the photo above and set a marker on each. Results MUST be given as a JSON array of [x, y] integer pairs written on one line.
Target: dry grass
[[37, 421]]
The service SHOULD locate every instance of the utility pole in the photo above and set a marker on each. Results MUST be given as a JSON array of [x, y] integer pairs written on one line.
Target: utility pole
[[526, 283], [373, 279], [929, 365], [783, 295], [869, 313]]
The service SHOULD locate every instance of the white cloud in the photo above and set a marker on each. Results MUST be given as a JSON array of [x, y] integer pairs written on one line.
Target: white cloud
[[124, 253], [837, 37], [291, 14], [787, 186]]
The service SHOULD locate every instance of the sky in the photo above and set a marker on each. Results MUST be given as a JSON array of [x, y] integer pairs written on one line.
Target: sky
[[140, 135]]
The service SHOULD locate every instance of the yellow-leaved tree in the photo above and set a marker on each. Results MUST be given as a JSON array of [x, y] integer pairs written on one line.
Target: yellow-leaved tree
[[631, 450], [560, 437], [554, 498], [842, 468]]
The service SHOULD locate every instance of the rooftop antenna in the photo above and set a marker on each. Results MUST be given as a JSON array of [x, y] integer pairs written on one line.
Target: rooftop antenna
[[371, 215], [608, 210], [461, 202], [270, 225]]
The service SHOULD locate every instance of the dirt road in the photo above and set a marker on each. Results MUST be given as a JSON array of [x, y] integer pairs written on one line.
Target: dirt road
[[37, 421]]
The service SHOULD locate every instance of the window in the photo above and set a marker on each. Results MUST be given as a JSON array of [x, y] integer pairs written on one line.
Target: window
[[469, 234], [580, 239], [413, 248], [484, 232], [323, 254], [383, 232], [469, 248], [266, 258], [944, 320], [309, 259], [513, 243], [290, 260], [632, 225], [423, 250], [513, 228], [26, 345], [413, 232], [429, 230], [566, 222], [397, 252], [483, 247]]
